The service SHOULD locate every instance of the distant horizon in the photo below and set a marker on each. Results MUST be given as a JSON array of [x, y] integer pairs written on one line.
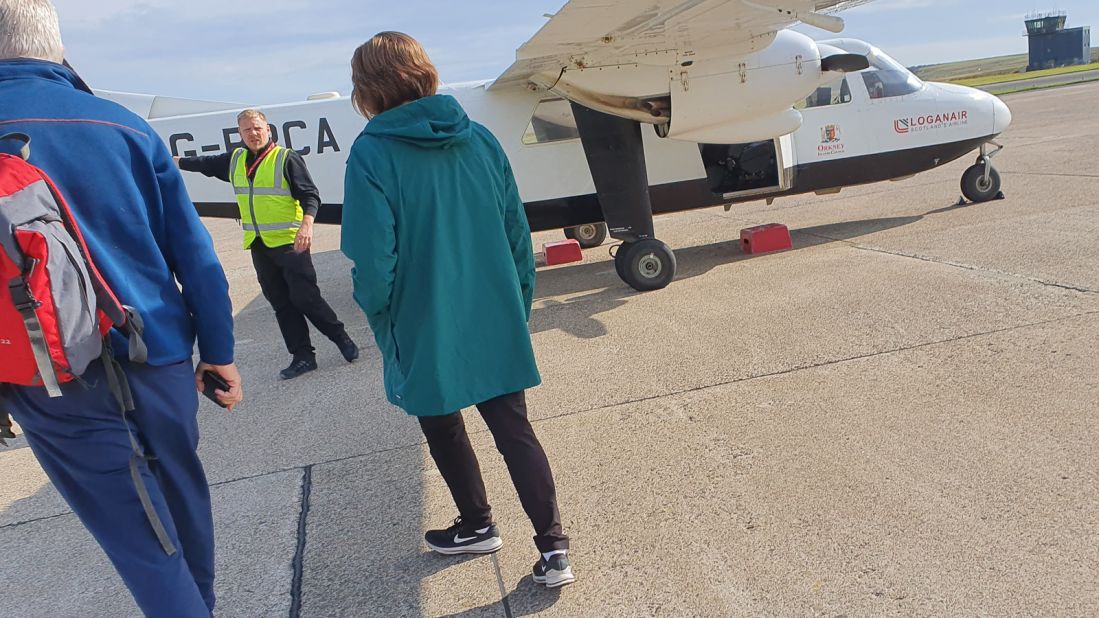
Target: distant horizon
[[1094, 49]]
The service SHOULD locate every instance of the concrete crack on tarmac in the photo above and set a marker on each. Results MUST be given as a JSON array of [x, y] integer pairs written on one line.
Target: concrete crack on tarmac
[[1058, 174], [31, 521], [299, 554], [962, 265], [504, 602]]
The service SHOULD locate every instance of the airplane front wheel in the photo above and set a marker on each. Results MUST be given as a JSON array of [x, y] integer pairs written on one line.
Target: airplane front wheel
[[645, 265], [976, 188]]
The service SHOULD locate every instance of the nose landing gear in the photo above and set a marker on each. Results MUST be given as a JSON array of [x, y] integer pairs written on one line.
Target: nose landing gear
[[981, 181]]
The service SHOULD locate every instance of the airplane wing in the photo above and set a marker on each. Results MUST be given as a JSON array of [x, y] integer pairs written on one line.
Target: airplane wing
[[590, 33]]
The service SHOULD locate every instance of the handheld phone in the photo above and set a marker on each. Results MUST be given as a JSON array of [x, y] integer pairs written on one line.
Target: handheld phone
[[211, 383]]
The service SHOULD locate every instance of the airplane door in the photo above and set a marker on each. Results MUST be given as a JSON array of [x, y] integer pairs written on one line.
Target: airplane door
[[834, 123]]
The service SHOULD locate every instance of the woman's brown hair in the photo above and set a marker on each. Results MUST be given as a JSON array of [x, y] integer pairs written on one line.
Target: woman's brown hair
[[390, 69]]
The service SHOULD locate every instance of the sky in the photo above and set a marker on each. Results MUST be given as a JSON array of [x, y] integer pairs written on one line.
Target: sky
[[284, 50]]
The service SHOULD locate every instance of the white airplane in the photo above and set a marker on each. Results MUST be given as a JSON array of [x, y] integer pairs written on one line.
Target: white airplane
[[618, 109]]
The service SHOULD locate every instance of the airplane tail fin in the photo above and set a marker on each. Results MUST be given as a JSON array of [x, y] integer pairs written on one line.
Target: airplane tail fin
[[152, 107]]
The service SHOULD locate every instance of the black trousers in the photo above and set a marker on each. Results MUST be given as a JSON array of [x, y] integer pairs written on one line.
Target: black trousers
[[289, 283], [506, 418]]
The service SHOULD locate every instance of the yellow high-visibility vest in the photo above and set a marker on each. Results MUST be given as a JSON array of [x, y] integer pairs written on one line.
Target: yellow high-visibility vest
[[267, 209]]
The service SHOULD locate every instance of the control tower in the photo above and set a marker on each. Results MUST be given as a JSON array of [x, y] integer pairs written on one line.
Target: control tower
[[1052, 45]]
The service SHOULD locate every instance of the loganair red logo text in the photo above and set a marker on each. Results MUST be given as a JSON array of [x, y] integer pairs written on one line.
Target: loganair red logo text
[[930, 122]]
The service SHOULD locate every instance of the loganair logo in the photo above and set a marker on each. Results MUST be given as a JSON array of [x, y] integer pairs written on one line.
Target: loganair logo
[[930, 122]]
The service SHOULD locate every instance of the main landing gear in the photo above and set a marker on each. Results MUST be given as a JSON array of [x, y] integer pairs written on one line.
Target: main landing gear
[[981, 181], [647, 264], [616, 158], [588, 235]]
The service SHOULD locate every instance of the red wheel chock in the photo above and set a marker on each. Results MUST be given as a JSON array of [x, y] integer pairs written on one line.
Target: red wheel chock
[[559, 252], [765, 238]]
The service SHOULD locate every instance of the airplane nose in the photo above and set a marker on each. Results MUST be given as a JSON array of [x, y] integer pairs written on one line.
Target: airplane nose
[[1001, 116]]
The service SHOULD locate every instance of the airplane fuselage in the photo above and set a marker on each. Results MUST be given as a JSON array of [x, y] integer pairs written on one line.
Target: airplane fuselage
[[855, 130]]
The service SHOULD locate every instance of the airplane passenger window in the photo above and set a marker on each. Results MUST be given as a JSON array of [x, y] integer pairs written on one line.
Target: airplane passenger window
[[552, 122], [836, 92]]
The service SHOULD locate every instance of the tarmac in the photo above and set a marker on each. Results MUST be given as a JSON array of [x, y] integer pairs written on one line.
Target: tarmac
[[895, 417]]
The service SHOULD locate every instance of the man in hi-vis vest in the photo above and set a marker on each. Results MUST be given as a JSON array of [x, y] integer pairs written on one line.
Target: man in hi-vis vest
[[278, 202]]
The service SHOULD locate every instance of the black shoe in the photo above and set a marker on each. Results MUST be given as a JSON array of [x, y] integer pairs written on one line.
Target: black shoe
[[458, 539], [349, 350], [298, 367], [555, 572]]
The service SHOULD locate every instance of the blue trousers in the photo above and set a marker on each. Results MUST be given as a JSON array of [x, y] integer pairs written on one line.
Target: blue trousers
[[81, 442]]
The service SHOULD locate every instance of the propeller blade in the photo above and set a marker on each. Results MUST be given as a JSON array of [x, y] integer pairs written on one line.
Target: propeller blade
[[844, 63]]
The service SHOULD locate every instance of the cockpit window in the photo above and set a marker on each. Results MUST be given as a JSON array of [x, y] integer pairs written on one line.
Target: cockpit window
[[552, 122], [887, 78], [835, 92]]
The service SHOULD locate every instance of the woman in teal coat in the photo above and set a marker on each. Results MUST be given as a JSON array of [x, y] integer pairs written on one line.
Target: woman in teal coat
[[444, 270]]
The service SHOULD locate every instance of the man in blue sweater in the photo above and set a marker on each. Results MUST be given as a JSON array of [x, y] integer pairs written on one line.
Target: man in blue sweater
[[144, 235]]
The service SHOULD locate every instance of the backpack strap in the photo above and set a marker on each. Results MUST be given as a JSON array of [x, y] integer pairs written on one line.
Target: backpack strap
[[25, 151], [25, 304], [135, 332], [120, 388]]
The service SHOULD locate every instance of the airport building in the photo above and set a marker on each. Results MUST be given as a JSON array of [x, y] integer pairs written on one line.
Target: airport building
[[1052, 45]]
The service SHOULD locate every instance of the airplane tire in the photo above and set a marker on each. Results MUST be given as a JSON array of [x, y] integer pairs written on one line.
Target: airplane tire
[[619, 251], [588, 235], [974, 187], [646, 264]]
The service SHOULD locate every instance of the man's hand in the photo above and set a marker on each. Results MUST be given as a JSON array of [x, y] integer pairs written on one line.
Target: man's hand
[[230, 374], [176, 159], [304, 240]]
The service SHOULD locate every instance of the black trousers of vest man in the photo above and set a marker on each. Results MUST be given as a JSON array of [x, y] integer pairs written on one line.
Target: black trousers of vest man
[[289, 283]]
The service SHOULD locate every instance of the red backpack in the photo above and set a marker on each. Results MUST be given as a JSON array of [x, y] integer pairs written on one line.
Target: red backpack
[[56, 310]]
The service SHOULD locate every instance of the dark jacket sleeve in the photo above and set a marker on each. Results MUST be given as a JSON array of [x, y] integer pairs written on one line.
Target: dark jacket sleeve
[[215, 166], [301, 184], [189, 252]]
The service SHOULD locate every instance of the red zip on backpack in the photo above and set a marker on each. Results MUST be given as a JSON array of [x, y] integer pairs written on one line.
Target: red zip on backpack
[[56, 310]]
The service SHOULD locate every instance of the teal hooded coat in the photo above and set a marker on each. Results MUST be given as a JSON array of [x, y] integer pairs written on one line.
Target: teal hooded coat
[[443, 264]]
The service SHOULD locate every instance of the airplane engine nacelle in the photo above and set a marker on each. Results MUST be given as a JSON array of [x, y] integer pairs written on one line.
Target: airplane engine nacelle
[[728, 101]]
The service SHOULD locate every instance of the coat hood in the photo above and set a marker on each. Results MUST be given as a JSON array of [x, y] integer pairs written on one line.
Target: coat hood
[[437, 121]]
